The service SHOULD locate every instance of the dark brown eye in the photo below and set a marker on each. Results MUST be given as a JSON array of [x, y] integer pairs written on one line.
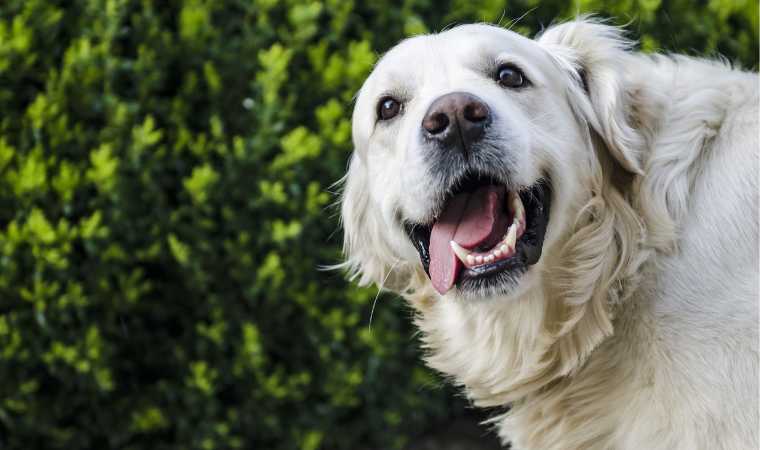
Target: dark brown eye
[[388, 108], [510, 76]]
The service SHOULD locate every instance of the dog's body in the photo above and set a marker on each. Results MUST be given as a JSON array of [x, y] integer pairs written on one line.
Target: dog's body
[[638, 326]]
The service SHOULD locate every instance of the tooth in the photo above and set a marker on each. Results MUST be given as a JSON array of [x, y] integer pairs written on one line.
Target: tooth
[[479, 259], [489, 259], [511, 199], [470, 260], [503, 248], [511, 236], [461, 253], [518, 208], [497, 253]]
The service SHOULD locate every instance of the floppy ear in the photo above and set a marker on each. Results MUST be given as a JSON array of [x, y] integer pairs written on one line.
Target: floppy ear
[[597, 55]]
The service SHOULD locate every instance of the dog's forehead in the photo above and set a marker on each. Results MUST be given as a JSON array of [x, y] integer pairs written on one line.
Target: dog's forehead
[[466, 46]]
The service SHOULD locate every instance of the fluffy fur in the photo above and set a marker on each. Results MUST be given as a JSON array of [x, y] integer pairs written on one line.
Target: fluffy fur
[[638, 328]]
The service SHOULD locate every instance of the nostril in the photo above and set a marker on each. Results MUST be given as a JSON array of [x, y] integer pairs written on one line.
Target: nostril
[[475, 112], [436, 123]]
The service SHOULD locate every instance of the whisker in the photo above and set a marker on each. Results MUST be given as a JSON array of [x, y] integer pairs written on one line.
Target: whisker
[[379, 290], [516, 21]]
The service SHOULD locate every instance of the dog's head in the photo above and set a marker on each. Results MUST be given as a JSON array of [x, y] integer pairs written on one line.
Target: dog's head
[[476, 152]]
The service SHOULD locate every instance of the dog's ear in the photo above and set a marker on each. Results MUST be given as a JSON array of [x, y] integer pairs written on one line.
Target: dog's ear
[[595, 54]]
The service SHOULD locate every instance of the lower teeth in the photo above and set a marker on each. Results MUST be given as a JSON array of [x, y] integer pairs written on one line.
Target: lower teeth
[[503, 249]]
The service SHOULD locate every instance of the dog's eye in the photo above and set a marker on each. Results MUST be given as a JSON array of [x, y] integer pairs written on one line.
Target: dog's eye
[[510, 76], [388, 108]]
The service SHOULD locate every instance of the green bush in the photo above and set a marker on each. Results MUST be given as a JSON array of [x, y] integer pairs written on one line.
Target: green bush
[[165, 172]]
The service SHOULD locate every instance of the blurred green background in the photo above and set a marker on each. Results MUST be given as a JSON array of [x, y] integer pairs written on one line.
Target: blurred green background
[[165, 200]]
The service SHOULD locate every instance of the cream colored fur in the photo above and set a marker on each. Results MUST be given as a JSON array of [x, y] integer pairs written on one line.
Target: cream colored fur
[[638, 328]]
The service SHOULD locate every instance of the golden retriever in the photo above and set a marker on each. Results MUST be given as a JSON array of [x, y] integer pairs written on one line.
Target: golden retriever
[[576, 226]]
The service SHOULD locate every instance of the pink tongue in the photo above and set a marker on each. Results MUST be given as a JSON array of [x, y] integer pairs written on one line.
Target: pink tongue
[[470, 219]]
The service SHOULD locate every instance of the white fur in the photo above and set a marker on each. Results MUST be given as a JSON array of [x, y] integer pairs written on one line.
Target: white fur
[[638, 328]]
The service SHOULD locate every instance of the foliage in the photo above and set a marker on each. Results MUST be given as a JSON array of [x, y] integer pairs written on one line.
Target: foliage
[[165, 172]]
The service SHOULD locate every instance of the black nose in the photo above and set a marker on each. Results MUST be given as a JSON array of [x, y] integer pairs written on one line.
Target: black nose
[[454, 117]]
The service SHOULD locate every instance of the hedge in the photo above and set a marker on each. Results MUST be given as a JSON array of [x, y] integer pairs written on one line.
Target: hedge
[[165, 202]]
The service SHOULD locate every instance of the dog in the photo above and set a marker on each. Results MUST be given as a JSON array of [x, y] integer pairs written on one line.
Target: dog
[[575, 225]]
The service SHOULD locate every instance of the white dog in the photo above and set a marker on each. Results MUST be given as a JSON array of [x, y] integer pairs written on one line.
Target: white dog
[[576, 226]]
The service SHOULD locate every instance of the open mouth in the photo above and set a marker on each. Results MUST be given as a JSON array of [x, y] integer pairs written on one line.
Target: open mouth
[[486, 236]]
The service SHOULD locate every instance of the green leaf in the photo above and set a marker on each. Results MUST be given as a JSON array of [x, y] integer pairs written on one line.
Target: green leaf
[[200, 182], [180, 251], [103, 168]]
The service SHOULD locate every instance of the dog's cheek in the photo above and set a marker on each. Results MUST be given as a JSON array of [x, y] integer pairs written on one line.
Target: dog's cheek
[[570, 192], [513, 132], [415, 196], [416, 185], [387, 198]]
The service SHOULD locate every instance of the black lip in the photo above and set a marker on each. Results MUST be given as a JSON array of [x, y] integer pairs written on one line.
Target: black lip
[[420, 237], [537, 202]]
